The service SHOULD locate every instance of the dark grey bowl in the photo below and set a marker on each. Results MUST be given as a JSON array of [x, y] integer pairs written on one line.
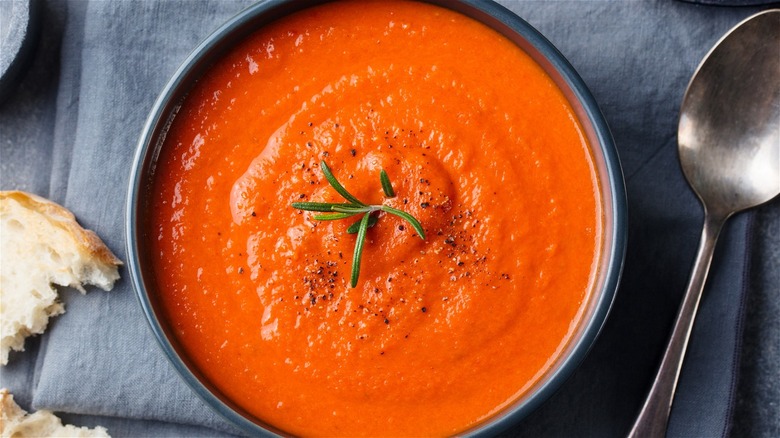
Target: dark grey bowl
[[487, 12], [19, 31]]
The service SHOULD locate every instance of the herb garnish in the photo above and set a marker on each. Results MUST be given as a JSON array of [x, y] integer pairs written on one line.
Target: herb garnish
[[353, 207]]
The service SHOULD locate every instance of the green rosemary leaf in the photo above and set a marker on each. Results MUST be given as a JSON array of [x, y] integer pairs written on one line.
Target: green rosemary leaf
[[333, 216], [316, 206], [408, 217], [386, 186], [354, 209], [356, 226], [361, 240], [337, 185]]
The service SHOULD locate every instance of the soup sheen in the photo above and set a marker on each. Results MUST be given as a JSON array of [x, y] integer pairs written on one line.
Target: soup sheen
[[438, 335]]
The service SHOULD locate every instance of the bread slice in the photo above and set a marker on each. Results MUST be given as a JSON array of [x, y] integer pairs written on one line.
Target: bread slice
[[17, 423], [42, 244]]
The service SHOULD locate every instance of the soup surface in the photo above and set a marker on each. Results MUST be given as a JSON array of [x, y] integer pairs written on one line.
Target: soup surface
[[439, 334]]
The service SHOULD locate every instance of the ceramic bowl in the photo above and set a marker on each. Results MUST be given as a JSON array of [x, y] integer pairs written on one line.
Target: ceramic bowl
[[491, 14]]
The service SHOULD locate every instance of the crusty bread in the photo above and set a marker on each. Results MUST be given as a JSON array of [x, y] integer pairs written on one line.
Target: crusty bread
[[42, 244], [16, 423]]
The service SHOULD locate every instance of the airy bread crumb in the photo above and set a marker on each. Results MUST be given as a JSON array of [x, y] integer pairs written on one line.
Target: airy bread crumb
[[42, 244], [15, 422]]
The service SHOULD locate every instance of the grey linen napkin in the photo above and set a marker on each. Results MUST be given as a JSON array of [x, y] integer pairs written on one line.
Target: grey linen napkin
[[100, 359]]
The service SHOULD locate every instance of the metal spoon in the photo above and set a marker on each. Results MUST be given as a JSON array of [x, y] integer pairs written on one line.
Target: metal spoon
[[729, 146]]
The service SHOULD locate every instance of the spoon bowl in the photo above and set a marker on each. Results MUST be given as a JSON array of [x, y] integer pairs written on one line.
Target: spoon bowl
[[729, 130], [729, 147]]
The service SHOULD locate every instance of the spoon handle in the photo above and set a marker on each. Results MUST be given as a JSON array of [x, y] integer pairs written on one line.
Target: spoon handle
[[654, 416]]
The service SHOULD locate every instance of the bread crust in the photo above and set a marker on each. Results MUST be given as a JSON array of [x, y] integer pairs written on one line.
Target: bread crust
[[16, 422], [43, 245], [88, 240]]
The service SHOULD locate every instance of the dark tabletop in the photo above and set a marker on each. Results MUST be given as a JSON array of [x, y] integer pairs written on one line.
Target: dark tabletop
[[28, 128]]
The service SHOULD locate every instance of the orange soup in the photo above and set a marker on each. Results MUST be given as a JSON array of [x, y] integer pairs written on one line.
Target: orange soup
[[439, 334]]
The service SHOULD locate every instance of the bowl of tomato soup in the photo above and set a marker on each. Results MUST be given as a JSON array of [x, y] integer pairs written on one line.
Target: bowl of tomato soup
[[461, 320]]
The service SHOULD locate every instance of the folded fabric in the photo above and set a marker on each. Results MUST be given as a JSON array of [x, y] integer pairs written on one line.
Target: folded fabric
[[636, 57], [102, 359]]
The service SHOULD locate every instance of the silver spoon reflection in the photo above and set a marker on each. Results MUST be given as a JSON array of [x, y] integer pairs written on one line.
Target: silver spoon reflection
[[729, 146]]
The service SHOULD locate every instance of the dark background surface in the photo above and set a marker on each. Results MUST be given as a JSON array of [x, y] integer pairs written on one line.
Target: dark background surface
[[27, 122]]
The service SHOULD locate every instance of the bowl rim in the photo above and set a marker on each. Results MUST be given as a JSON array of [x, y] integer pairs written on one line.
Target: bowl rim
[[494, 16]]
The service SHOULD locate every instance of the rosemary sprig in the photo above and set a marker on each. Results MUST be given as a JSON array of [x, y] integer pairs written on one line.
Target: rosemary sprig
[[372, 220], [337, 185], [354, 207], [359, 243], [386, 186]]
